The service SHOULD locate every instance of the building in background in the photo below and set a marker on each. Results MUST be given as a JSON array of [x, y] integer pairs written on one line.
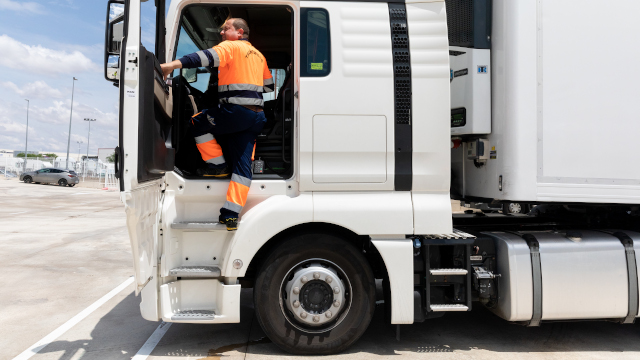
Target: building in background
[[30, 152]]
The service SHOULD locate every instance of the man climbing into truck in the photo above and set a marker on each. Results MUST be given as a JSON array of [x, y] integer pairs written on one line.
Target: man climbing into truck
[[243, 77]]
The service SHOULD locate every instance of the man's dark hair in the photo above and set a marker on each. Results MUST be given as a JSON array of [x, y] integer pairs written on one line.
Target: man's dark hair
[[238, 24]]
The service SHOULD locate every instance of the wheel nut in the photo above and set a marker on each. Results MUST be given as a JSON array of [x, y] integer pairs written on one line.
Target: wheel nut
[[316, 275], [303, 315], [296, 290], [304, 279], [296, 304], [336, 303], [328, 279], [316, 318], [328, 314], [336, 290]]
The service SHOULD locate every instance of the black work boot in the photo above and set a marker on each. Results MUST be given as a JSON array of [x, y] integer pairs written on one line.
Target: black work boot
[[214, 172], [232, 224]]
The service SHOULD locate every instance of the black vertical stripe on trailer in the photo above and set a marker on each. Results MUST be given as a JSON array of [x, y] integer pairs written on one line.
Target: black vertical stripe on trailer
[[402, 98]]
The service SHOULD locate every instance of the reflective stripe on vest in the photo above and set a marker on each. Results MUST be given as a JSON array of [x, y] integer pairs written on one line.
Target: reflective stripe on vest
[[243, 74]]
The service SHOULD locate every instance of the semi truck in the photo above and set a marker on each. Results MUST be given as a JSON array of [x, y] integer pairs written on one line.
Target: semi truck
[[385, 113]]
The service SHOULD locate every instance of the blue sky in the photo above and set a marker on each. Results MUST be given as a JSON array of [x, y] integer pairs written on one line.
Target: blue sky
[[43, 45]]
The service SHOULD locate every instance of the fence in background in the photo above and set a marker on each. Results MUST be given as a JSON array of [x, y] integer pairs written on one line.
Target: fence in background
[[87, 170]]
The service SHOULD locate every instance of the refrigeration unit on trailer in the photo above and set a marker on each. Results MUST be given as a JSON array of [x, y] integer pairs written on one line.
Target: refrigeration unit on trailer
[[383, 112]]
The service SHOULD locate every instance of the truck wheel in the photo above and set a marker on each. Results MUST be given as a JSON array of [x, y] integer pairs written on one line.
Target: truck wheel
[[512, 208], [515, 208], [315, 295]]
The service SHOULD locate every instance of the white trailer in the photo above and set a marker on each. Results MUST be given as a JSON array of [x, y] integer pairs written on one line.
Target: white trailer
[[365, 147]]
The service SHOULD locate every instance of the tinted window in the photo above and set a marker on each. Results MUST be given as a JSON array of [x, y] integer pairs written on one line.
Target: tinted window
[[316, 43]]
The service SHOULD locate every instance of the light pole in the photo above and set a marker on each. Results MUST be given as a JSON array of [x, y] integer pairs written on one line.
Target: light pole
[[26, 141], [70, 117], [78, 158], [84, 170]]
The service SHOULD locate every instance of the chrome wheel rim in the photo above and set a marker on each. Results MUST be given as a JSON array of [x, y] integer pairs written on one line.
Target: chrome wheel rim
[[515, 208], [315, 296]]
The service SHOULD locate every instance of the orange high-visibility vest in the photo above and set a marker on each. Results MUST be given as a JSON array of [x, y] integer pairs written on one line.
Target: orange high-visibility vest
[[243, 74]]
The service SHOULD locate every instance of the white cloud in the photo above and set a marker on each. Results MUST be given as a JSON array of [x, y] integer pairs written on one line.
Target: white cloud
[[58, 114], [116, 9], [38, 59], [34, 90], [49, 126], [9, 126], [20, 6]]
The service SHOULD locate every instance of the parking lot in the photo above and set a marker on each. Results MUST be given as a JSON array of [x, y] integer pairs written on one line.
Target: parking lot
[[66, 283]]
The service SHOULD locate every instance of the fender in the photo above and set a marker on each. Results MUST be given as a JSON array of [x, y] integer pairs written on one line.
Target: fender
[[397, 255], [261, 223], [280, 212]]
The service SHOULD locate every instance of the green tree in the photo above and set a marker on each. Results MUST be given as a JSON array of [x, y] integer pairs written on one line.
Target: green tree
[[111, 158], [50, 155], [21, 155]]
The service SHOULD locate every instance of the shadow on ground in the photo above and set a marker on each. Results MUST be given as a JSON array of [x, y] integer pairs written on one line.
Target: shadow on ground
[[478, 330], [117, 335]]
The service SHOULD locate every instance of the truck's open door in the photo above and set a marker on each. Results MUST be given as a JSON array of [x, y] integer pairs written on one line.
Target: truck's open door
[[144, 153]]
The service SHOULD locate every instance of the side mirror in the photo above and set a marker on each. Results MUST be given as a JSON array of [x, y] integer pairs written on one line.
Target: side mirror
[[190, 75], [113, 65], [116, 30], [114, 34]]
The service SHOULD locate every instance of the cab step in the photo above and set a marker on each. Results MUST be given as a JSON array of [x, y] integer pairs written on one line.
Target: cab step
[[452, 293], [448, 271], [196, 272], [449, 307], [193, 315], [199, 226]]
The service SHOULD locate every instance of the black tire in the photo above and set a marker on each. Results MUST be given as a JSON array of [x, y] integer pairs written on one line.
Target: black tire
[[62, 182], [27, 179], [72, 185], [340, 335]]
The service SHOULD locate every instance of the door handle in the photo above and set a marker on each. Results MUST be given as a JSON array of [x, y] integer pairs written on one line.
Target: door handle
[[116, 162]]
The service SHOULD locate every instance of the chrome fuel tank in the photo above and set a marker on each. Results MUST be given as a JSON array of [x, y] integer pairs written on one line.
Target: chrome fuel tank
[[584, 277]]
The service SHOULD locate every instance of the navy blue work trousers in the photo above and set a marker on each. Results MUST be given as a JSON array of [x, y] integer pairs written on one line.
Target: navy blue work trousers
[[225, 136]]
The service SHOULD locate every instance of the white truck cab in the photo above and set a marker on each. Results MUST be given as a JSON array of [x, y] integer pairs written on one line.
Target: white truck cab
[[377, 104]]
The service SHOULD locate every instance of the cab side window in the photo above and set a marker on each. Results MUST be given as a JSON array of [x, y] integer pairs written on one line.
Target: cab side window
[[315, 42], [200, 77]]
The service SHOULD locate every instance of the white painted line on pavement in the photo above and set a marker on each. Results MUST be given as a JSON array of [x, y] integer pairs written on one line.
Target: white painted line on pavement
[[16, 213], [35, 348], [151, 343]]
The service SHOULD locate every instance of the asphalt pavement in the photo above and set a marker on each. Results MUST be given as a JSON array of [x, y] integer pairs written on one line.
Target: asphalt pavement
[[65, 250]]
